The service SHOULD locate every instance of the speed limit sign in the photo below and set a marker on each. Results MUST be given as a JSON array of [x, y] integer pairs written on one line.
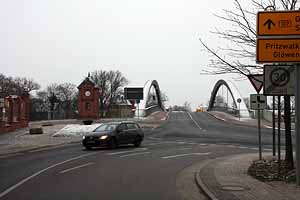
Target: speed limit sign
[[279, 80]]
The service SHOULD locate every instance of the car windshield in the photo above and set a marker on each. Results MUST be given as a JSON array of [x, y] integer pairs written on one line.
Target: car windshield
[[106, 127]]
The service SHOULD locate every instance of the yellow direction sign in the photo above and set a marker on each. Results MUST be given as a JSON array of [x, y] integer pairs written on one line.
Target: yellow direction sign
[[271, 50], [278, 23]]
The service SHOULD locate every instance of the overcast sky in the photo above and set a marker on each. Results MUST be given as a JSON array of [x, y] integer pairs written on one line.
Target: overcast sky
[[62, 40]]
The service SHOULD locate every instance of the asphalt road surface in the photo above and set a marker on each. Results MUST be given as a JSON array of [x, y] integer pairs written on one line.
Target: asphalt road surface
[[162, 168]]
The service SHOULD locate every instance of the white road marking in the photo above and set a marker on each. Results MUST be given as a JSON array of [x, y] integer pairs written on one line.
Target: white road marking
[[187, 154], [194, 121], [77, 167], [10, 155], [231, 146], [8, 190], [158, 143], [203, 144], [153, 138], [135, 154], [276, 128], [46, 148], [191, 143], [122, 152], [243, 147], [184, 149], [268, 149], [254, 148]]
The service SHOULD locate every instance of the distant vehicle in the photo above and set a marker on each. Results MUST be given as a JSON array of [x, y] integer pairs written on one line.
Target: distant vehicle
[[114, 134]]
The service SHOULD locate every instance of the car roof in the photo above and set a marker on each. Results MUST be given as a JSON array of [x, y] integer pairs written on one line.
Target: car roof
[[120, 122]]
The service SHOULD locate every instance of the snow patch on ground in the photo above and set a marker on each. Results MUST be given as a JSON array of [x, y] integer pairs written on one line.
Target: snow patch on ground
[[76, 130]]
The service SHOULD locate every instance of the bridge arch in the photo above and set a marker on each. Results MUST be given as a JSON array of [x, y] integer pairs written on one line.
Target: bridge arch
[[235, 94], [152, 99]]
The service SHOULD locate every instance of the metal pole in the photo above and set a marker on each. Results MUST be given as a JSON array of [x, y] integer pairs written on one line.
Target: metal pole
[[279, 121], [227, 99], [298, 123], [138, 111], [274, 124], [259, 135], [239, 111]]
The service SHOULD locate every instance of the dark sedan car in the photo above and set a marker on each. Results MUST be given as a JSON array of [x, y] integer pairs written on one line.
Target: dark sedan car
[[114, 134]]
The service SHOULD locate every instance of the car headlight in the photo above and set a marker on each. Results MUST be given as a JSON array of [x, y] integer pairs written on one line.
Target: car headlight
[[83, 137], [103, 137]]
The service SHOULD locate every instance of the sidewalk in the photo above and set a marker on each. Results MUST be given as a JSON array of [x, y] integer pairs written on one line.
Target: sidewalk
[[243, 121], [227, 179], [21, 140]]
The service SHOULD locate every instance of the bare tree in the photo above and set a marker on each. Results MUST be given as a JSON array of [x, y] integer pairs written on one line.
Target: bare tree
[[52, 96], [187, 106], [16, 86], [243, 37], [110, 84], [164, 98], [66, 92], [26, 84]]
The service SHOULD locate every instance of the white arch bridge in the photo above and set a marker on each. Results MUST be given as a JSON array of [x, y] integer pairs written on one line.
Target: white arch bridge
[[152, 100], [235, 95]]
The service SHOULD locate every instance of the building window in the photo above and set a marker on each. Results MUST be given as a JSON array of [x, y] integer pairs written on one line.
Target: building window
[[87, 106]]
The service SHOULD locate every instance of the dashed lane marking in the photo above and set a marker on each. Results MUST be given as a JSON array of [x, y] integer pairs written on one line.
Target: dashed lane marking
[[194, 121], [46, 148], [8, 190], [123, 152], [231, 146], [77, 167], [268, 149], [187, 154], [182, 149], [158, 143], [243, 147], [11, 155], [135, 154], [153, 138]]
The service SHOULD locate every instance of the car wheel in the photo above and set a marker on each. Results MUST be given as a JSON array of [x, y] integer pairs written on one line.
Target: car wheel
[[137, 142], [88, 147], [113, 143]]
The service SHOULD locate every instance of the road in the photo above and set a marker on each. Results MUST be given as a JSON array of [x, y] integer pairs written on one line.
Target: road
[[162, 168]]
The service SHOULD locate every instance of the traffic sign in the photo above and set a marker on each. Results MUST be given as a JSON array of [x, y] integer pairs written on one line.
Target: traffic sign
[[279, 80], [258, 101], [278, 50], [134, 93], [274, 23], [257, 81], [239, 100]]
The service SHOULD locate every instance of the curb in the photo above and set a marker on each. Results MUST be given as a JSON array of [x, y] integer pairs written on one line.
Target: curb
[[235, 122], [200, 183], [219, 118]]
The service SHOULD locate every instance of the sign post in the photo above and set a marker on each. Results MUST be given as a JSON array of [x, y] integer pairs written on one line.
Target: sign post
[[258, 102], [297, 125], [136, 94], [278, 41], [239, 102]]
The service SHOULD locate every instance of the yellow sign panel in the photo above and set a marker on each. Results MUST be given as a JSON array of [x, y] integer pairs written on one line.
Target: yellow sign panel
[[278, 50], [278, 23]]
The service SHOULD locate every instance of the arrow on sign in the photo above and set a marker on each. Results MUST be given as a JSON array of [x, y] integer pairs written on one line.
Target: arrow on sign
[[269, 22]]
